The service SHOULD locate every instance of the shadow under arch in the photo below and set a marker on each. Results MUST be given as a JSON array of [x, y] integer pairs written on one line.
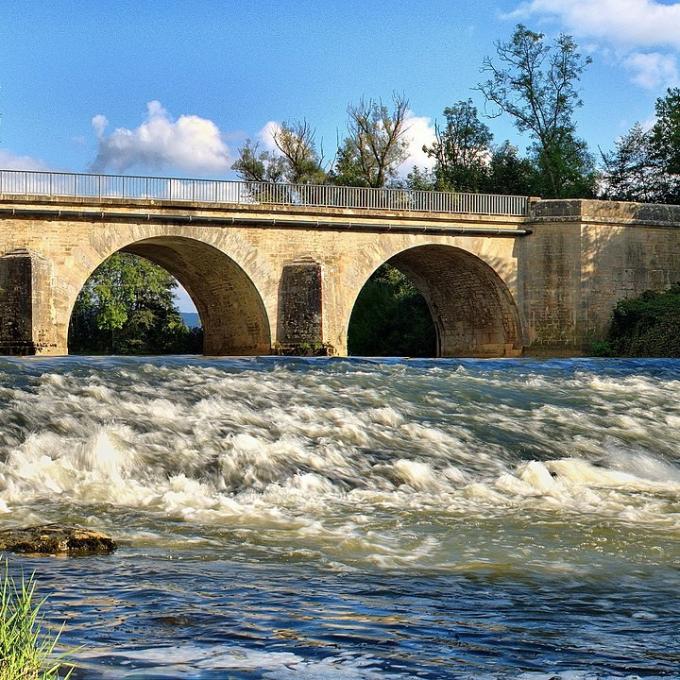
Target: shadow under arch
[[473, 310], [232, 313]]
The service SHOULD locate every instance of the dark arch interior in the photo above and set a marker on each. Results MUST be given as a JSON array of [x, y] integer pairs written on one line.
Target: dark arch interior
[[471, 310], [231, 310], [391, 318]]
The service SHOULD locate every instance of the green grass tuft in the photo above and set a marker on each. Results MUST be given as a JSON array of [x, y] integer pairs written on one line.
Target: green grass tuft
[[26, 652]]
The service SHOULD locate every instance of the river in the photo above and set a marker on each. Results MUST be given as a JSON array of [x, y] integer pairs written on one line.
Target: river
[[334, 518]]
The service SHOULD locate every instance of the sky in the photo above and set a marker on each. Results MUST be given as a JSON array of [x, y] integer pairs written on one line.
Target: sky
[[175, 87]]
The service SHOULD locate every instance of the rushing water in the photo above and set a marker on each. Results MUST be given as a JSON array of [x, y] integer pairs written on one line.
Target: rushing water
[[354, 519]]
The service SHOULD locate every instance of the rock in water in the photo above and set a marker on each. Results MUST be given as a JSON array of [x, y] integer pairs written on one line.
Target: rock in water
[[55, 539]]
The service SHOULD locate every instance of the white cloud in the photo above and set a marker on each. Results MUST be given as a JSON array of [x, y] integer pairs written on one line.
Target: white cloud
[[419, 132], [11, 161], [190, 143], [266, 135], [632, 23], [644, 34], [652, 70]]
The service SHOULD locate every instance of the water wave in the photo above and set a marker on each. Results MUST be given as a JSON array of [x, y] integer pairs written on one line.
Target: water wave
[[349, 460]]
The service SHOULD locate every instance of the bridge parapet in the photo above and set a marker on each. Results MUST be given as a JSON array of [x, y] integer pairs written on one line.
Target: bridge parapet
[[79, 185]]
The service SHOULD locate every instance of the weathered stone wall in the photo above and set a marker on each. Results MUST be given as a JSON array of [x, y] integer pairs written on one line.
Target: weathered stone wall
[[583, 257], [25, 304], [263, 277], [300, 308]]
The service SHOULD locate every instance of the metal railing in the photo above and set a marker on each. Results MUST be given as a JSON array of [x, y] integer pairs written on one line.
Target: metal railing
[[63, 184]]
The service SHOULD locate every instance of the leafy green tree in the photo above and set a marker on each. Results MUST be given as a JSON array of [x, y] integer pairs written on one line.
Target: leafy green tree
[[536, 84], [645, 165], [420, 180], [461, 149], [303, 164], [375, 144], [391, 318], [632, 172], [665, 143], [127, 306], [508, 173], [296, 160], [255, 165]]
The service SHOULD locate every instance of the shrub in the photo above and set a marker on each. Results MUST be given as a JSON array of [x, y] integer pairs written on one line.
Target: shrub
[[648, 325]]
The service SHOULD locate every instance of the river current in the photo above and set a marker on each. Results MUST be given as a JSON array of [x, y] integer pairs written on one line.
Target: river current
[[329, 518]]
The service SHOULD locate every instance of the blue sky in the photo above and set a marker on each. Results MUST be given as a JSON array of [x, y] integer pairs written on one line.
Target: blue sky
[[175, 87], [219, 72]]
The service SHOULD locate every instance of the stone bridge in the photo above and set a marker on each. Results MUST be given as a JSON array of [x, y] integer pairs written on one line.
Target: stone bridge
[[272, 267]]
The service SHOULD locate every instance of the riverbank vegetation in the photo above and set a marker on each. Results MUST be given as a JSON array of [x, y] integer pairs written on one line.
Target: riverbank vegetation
[[128, 306], [645, 326], [391, 318], [26, 652], [533, 82]]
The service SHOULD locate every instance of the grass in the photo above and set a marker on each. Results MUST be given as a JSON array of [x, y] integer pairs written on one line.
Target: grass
[[26, 652]]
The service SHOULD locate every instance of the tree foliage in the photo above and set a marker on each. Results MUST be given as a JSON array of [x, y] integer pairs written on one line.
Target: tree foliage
[[127, 306], [665, 143], [256, 165], [391, 318], [375, 144], [461, 149], [302, 163], [509, 173], [648, 325], [630, 172], [645, 165], [296, 160], [467, 160], [536, 84]]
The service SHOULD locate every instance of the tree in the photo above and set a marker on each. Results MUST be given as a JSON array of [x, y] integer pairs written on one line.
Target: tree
[[461, 149], [665, 143], [631, 171], [127, 306], [254, 165], [536, 84], [645, 165], [420, 180], [303, 164], [510, 174], [375, 143], [295, 161]]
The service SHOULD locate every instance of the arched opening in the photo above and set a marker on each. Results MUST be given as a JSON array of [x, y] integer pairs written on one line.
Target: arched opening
[[472, 311], [232, 315], [391, 318]]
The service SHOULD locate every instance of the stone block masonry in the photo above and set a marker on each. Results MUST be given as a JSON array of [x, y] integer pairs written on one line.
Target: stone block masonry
[[267, 277]]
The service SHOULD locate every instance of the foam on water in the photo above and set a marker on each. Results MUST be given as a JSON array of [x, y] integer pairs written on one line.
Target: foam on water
[[353, 461]]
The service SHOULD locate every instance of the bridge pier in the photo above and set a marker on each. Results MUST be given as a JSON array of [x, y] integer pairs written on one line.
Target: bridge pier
[[27, 326], [300, 309]]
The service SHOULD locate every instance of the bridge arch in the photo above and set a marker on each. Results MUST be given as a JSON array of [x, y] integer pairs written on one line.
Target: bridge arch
[[473, 310], [231, 309]]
